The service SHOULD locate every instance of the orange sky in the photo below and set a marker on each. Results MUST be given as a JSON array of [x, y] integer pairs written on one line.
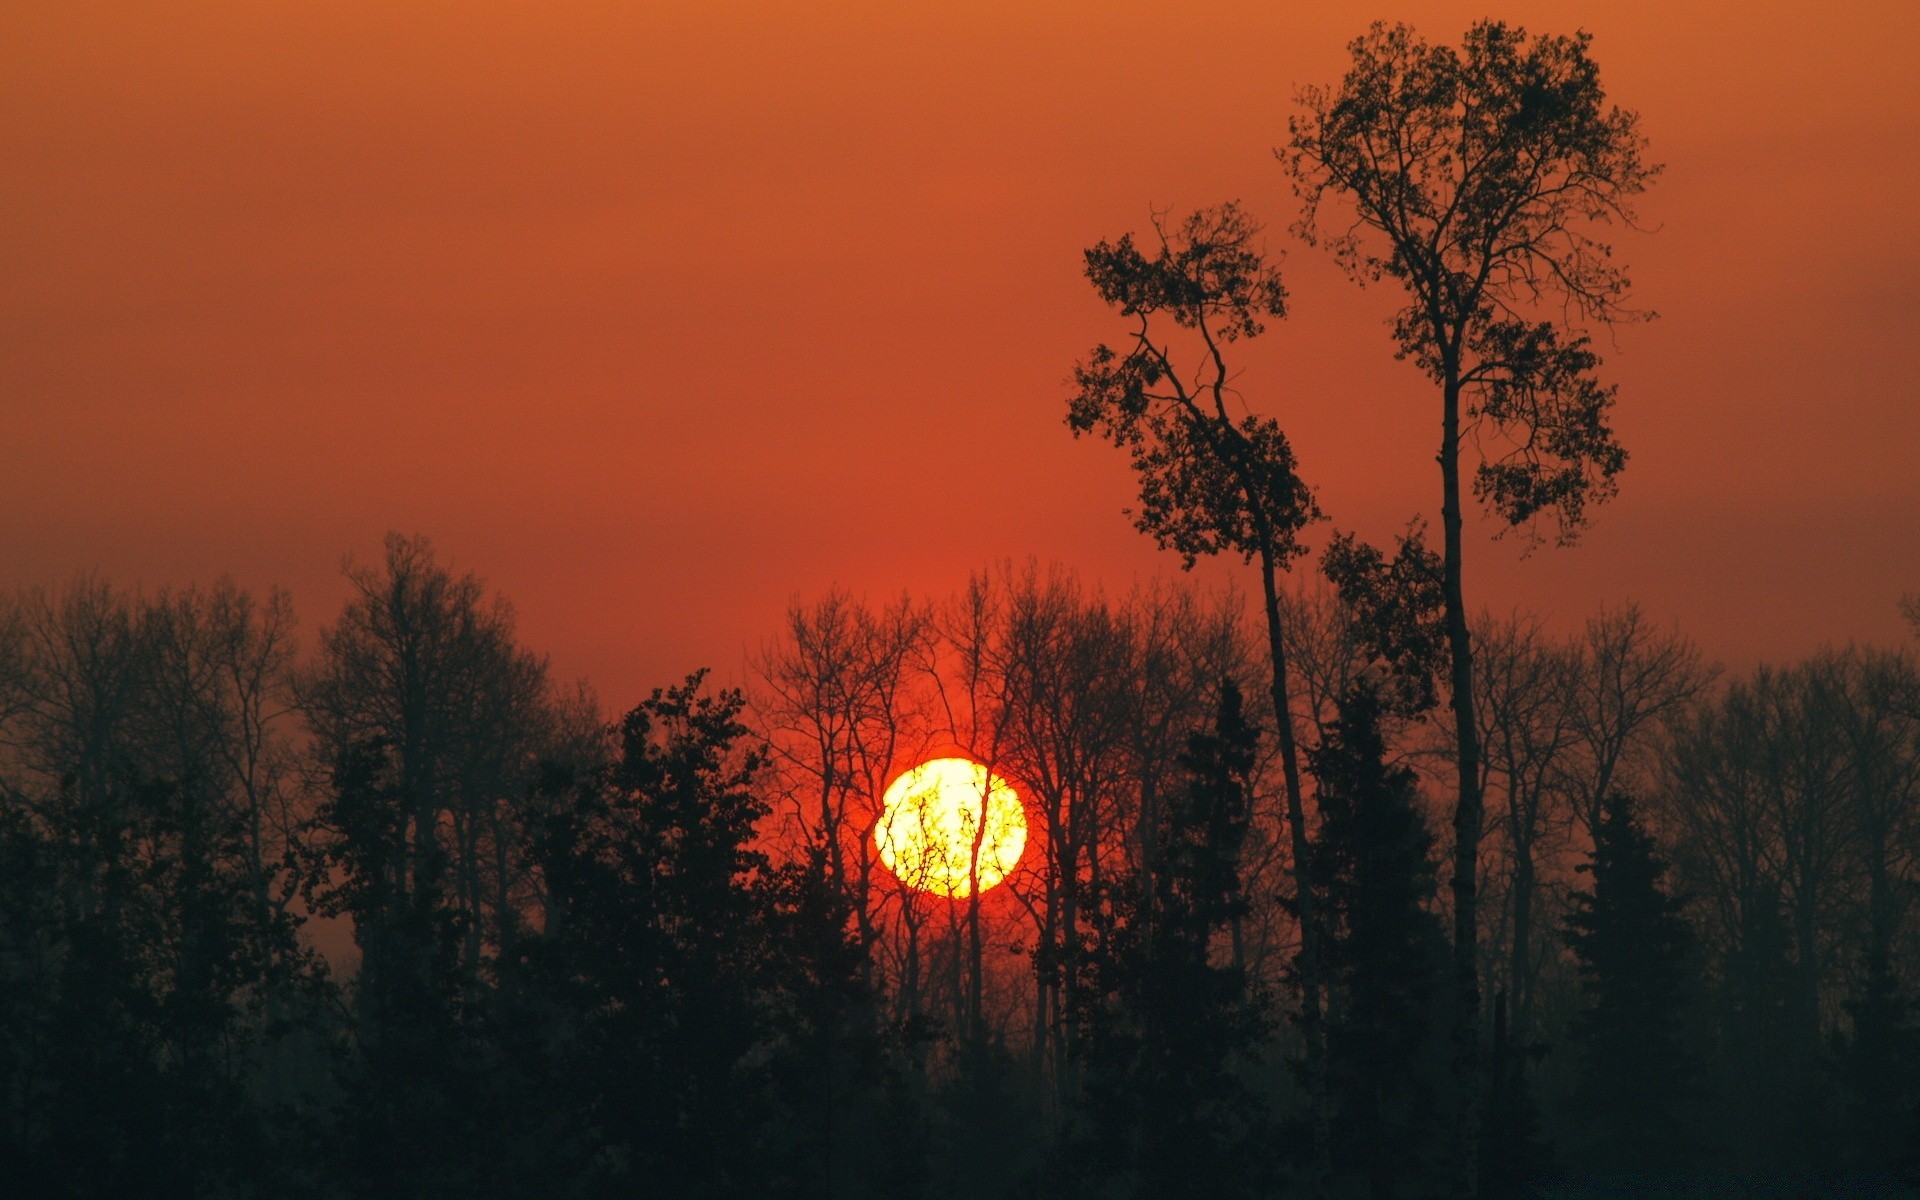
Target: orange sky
[[658, 314]]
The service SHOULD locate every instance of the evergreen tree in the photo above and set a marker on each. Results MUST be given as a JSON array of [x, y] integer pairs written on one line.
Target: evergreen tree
[[1168, 1026], [1386, 951], [1759, 1066], [716, 1037], [1877, 1064], [1634, 950]]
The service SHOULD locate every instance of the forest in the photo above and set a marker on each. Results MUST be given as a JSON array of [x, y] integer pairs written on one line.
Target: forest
[[1334, 884], [659, 956]]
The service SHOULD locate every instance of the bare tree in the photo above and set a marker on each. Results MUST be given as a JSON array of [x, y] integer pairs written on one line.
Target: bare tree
[[968, 681], [88, 666], [1526, 729], [837, 706], [1323, 651], [839, 701], [1066, 666], [1883, 743], [1629, 676], [1762, 798]]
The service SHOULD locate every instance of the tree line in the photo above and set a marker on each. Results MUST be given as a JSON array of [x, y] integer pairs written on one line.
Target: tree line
[[400, 916]]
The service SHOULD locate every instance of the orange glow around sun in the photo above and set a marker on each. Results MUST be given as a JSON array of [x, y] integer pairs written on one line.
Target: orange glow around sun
[[932, 818]]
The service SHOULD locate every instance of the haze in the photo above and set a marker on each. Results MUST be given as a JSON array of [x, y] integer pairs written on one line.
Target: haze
[[658, 315]]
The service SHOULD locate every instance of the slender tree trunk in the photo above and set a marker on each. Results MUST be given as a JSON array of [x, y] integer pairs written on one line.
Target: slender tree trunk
[[1312, 1030], [976, 1018], [1469, 813], [1520, 961], [1067, 990], [909, 1006]]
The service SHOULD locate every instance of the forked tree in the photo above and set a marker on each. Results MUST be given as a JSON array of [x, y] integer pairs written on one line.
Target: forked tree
[[1214, 477], [1475, 178]]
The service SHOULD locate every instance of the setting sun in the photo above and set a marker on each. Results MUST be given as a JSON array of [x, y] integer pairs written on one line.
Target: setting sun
[[932, 819]]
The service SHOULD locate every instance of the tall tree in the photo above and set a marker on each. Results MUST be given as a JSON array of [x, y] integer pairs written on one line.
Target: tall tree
[[429, 725], [1634, 949], [423, 670], [1472, 178], [1386, 954], [1213, 477], [1167, 1026]]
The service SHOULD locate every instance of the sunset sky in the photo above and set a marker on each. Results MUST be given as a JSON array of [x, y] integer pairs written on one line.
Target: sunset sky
[[659, 314]]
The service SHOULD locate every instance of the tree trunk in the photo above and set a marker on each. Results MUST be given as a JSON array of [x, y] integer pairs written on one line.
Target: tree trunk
[[1311, 981], [1519, 967], [1468, 813]]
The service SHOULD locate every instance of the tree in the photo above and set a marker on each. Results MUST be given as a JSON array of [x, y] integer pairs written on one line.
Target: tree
[[713, 999], [837, 712], [1878, 1056], [1385, 953], [1722, 791], [149, 964], [1474, 177], [1211, 482], [1167, 1027], [423, 673], [430, 725], [1628, 678], [1524, 681], [1634, 949], [1081, 712], [1524, 723]]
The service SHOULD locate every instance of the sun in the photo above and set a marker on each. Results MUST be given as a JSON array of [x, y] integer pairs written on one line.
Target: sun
[[930, 821]]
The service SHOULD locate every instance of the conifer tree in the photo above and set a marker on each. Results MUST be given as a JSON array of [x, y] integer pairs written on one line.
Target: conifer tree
[[1634, 950], [1386, 952], [1169, 1025]]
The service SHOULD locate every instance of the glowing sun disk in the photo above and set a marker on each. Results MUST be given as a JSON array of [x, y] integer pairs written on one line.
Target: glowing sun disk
[[931, 818]]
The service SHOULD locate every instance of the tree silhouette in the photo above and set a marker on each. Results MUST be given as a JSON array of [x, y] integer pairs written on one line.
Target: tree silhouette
[[1386, 955], [1880, 1055], [1167, 1029], [1634, 948], [149, 966], [1211, 482], [1472, 177], [714, 1003], [411, 1118]]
